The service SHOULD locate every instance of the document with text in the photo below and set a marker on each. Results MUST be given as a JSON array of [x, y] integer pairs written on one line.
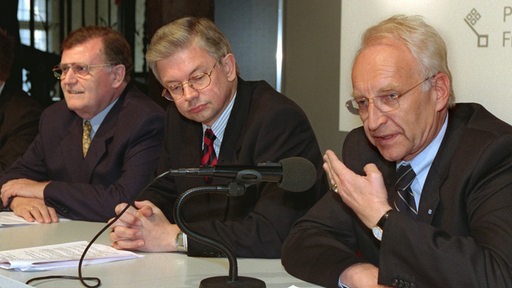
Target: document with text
[[60, 256]]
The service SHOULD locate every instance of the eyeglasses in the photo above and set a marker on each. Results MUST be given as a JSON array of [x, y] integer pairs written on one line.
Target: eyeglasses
[[176, 90], [385, 103], [80, 70]]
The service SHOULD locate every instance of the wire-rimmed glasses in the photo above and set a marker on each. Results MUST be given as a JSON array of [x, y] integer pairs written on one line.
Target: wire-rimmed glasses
[[385, 103], [176, 90], [79, 69]]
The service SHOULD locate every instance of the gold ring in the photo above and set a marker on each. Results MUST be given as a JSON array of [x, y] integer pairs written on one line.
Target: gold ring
[[334, 187]]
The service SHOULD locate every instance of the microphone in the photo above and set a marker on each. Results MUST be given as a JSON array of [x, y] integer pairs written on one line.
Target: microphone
[[295, 174]]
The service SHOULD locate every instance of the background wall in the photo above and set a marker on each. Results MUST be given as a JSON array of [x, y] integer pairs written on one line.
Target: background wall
[[311, 65], [311, 56]]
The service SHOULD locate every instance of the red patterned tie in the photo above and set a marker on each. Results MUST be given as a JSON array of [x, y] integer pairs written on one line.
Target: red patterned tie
[[208, 157]]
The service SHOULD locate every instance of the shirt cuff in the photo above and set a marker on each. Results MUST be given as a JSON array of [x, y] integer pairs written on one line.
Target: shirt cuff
[[341, 285]]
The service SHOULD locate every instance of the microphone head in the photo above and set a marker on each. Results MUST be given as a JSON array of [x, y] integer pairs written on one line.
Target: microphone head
[[299, 174]]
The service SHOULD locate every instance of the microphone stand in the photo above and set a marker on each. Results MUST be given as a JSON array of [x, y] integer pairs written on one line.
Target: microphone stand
[[233, 280]]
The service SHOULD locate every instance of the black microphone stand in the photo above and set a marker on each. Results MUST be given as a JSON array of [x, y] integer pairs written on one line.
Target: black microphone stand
[[233, 280]]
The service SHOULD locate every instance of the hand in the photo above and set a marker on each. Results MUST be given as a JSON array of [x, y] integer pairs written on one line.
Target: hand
[[32, 209], [365, 195], [22, 187], [361, 275], [144, 228]]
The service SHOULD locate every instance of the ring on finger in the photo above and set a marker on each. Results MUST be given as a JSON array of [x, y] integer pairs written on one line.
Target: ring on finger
[[334, 187]]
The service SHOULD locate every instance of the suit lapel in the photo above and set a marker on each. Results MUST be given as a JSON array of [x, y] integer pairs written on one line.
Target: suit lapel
[[71, 147], [439, 171], [103, 137], [236, 123]]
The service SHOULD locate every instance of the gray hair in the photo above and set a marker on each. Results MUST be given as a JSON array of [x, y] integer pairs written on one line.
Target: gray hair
[[424, 42], [182, 33]]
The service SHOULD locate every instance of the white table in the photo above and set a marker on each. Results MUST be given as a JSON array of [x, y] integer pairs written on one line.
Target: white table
[[153, 270]]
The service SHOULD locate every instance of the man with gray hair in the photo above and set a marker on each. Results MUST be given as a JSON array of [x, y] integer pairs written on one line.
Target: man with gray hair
[[423, 196], [215, 117]]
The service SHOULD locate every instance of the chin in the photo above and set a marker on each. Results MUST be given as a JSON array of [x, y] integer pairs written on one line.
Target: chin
[[390, 155]]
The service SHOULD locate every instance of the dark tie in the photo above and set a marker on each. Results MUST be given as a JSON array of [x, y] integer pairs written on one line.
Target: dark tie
[[86, 137], [208, 157], [404, 200]]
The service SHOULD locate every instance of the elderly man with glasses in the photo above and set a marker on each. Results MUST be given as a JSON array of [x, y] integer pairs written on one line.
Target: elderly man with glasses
[[423, 196], [239, 123], [96, 148]]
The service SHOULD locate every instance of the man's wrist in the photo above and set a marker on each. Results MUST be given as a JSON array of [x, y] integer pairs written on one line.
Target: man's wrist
[[378, 229]]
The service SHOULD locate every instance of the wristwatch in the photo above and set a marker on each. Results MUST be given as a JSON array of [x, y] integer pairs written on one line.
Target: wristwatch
[[379, 228], [180, 244]]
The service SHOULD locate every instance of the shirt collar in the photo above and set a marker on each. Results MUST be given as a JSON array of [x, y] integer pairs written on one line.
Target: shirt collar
[[98, 119], [423, 161], [220, 124]]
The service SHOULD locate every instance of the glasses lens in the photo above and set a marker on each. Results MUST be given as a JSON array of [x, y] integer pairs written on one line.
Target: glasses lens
[[354, 107], [200, 82], [166, 94], [57, 72], [387, 103], [80, 69]]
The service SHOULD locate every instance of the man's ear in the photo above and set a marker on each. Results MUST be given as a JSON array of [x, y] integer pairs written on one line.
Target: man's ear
[[118, 73], [441, 86], [229, 66]]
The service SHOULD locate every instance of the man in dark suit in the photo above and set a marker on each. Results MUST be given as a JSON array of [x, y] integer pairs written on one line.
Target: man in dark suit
[[97, 148], [252, 123], [450, 224], [19, 114]]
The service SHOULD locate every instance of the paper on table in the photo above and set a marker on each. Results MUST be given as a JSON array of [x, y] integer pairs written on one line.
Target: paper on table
[[60, 256], [8, 218]]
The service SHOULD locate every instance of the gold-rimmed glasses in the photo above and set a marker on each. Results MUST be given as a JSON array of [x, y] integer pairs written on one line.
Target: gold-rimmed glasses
[[175, 90], [79, 69]]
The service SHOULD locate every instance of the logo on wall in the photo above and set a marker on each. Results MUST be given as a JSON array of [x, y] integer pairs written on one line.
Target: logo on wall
[[472, 19]]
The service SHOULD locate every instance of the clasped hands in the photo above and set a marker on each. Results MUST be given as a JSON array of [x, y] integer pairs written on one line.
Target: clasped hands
[[143, 227], [25, 198]]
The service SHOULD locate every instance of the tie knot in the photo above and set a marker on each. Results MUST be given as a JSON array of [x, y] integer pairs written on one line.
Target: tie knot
[[208, 157], [405, 176], [209, 137]]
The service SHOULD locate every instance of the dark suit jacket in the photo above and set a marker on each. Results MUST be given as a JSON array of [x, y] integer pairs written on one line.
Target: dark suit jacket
[[120, 161], [19, 119], [264, 126], [464, 232]]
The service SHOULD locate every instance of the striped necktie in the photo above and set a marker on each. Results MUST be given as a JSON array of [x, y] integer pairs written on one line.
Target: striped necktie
[[404, 200], [208, 157]]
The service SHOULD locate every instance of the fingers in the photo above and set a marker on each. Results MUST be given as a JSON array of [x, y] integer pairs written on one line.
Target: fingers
[[128, 244], [33, 210], [43, 214], [128, 217], [5, 195], [334, 169], [126, 238]]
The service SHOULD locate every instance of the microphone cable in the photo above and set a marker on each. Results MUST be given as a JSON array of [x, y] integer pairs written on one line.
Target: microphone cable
[[80, 277]]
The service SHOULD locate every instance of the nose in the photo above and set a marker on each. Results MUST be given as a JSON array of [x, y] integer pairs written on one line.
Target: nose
[[69, 77], [189, 92], [374, 118]]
